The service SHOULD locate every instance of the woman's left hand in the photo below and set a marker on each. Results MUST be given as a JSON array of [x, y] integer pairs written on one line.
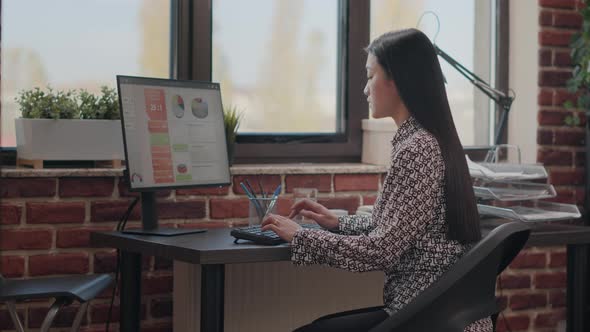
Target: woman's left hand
[[284, 227]]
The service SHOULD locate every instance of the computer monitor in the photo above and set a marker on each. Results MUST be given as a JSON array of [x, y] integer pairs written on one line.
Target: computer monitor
[[174, 137]]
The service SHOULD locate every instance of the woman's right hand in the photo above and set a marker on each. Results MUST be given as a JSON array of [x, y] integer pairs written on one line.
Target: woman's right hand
[[315, 211]]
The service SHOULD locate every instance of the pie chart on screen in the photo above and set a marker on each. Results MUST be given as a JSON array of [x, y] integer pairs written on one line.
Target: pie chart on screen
[[181, 168], [199, 108], [178, 106]]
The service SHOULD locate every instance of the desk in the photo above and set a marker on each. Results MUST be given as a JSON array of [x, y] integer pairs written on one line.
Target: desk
[[215, 248], [577, 240]]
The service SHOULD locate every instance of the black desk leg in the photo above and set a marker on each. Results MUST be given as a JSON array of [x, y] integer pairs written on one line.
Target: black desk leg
[[130, 291], [212, 293], [577, 288]]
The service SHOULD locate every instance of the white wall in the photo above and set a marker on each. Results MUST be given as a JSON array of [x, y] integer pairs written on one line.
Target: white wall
[[524, 66]]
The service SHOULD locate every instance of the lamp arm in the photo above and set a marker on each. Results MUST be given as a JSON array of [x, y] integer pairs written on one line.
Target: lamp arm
[[499, 97]]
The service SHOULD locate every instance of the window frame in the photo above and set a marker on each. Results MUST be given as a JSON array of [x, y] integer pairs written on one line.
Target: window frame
[[192, 27], [195, 29], [195, 63], [502, 27]]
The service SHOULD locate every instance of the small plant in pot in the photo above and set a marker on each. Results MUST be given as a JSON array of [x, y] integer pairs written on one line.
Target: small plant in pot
[[231, 120]]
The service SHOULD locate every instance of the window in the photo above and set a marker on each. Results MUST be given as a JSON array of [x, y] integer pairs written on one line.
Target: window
[[465, 33], [295, 69], [71, 45], [242, 54], [286, 78]]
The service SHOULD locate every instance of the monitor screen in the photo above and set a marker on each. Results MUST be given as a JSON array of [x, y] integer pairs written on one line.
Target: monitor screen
[[173, 133]]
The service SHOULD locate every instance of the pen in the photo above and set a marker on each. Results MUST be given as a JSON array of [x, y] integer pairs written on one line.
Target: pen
[[275, 197], [250, 187], [253, 199], [253, 192]]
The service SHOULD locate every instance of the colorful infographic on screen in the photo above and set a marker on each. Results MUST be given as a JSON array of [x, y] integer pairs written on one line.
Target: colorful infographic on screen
[[174, 133]]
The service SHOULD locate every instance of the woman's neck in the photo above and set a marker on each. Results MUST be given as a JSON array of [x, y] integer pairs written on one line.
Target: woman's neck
[[401, 115]]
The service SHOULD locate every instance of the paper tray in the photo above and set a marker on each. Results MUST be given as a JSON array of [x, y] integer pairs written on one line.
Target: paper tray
[[532, 211], [506, 171], [513, 191]]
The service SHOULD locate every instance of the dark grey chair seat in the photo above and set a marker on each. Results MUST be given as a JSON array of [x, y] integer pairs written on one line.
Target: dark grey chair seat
[[64, 290], [465, 293]]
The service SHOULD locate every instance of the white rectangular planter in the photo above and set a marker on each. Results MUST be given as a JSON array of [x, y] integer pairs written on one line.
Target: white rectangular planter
[[48, 139], [377, 136]]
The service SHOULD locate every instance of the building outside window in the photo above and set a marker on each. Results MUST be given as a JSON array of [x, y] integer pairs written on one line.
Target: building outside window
[[283, 72], [73, 45], [465, 32], [294, 68]]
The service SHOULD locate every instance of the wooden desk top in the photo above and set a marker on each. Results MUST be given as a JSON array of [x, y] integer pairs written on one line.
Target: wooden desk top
[[216, 246]]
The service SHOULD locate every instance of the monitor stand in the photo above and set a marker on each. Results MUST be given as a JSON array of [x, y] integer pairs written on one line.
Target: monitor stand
[[149, 220]]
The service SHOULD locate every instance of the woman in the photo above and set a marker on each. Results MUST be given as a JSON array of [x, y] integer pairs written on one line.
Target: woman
[[425, 217]]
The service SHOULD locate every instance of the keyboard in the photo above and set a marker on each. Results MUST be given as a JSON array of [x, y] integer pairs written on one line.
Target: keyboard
[[256, 235]]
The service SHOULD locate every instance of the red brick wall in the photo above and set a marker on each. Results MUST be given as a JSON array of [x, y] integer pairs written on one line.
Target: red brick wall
[[44, 230], [533, 291], [45, 222], [561, 148], [534, 287], [45, 225]]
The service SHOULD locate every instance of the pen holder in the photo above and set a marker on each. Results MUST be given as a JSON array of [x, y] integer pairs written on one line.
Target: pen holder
[[260, 207], [300, 194]]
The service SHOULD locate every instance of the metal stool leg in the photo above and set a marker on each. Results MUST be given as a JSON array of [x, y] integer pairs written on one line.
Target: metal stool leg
[[55, 307], [79, 316], [14, 315]]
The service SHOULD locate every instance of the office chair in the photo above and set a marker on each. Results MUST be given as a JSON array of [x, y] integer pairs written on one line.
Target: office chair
[[64, 290], [465, 293]]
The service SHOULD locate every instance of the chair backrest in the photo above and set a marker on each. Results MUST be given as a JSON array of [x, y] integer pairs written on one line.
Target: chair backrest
[[465, 293]]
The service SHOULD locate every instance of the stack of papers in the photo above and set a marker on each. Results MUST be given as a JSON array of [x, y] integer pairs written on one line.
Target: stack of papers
[[532, 214], [513, 191], [544, 211], [479, 171]]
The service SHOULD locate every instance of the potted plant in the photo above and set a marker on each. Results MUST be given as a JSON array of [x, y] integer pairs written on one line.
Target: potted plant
[[57, 126], [377, 135], [579, 84], [231, 120], [105, 107]]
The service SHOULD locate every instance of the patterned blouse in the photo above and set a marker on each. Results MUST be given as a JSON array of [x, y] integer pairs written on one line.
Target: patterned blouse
[[406, 235]]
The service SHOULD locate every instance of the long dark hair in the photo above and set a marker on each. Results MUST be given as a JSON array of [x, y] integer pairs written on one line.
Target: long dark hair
[[409, 58]]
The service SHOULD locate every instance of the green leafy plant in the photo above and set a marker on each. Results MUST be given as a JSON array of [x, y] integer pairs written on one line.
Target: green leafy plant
[[579, 83], [38, 104], [231, 120], [105, 107]]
